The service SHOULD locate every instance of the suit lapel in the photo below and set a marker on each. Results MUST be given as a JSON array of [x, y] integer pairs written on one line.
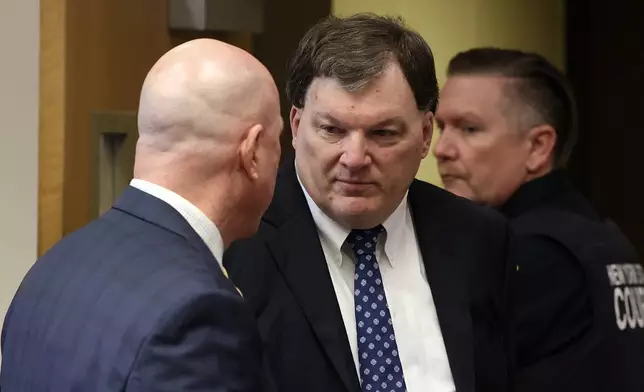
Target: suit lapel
[[301, 260], [448, 284]]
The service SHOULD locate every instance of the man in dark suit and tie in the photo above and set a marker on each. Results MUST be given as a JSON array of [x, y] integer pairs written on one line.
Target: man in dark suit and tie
[[138, 300], [361, 277]]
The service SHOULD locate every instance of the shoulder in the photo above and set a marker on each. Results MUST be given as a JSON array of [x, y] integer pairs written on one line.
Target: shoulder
[[208, 339], [549, 241], [455, 213], [536, 252], [199, 303], [430, 193], [134, 262], [475, 237], [542, 255], [183, 298], [559, 232]]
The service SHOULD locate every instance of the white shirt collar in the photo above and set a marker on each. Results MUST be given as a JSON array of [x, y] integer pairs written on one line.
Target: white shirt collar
[[395, 227], [200, 223], [335, 235]]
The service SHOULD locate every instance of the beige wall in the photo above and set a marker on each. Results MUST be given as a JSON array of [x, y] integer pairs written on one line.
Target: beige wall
[[19, 40], [455, 25]]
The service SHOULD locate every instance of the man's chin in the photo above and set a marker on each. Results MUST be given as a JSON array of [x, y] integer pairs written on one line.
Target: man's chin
[[359, 212], [353, 205], [351, 211]]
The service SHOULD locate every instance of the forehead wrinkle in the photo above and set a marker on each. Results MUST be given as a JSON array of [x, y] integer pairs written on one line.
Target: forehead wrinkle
[[357, 112], [379, 101], [381, 89]]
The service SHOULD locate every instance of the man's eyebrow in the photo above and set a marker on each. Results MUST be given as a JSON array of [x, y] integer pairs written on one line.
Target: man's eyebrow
[[459, 118], [323, 116], [471, 115], [394, 121]]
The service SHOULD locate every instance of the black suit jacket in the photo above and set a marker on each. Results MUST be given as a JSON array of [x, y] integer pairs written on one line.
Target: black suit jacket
[[134, 301], [284, 277]]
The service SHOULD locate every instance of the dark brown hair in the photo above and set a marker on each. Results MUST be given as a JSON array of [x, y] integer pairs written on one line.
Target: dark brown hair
[[355, 50], [539, 86]]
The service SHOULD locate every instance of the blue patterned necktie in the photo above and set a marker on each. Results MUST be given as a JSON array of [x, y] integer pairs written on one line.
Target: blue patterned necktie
[[380, 366]]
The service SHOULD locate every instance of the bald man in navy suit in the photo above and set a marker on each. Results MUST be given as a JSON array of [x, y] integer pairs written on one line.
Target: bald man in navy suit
[[138, 300]]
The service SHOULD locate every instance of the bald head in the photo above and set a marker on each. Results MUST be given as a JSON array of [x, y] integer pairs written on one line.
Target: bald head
[[209, 125], [203, 91]]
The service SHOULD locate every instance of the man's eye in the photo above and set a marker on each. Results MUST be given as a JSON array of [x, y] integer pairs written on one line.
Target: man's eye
[[470, 129], [384, 132], [331, 130]]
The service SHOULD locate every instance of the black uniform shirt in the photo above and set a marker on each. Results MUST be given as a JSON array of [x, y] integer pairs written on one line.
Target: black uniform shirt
[[552, 298]]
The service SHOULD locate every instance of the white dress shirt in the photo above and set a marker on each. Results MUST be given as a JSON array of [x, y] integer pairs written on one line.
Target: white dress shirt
[[418, 335], [205, 228]]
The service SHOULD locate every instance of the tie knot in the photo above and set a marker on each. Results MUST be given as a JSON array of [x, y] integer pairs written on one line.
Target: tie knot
[[364, 241]]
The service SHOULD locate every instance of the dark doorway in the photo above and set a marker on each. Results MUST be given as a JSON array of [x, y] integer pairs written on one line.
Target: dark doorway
[[605, 59], [286, 22]]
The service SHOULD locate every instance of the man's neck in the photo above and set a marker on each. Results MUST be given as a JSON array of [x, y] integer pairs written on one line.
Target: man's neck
[[212, 201]]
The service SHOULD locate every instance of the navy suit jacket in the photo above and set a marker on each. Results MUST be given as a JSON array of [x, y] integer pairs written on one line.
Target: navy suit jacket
[[134, 301]]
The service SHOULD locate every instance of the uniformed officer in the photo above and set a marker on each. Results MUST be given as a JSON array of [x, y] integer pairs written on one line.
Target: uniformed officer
[[507, 122]]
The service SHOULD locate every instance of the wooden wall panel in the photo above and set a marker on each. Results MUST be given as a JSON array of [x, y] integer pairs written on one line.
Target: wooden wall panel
[[111, 44], [94, 57], [52, 122]]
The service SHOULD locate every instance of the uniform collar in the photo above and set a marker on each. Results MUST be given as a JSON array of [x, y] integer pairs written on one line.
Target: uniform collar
[[536, 192]]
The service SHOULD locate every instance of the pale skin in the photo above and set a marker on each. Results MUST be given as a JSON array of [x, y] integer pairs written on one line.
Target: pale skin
[[485, 150], [209, 126], [358, 152]]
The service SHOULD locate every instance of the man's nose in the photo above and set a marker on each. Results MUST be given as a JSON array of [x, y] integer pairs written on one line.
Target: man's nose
[[355, 151], [445, 149]]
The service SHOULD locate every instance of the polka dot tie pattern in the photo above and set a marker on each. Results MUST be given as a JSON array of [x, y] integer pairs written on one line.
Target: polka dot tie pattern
[[380, 366]]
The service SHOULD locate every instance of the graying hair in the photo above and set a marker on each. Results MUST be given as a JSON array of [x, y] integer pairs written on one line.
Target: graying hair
[[355, 50], [542, 89]]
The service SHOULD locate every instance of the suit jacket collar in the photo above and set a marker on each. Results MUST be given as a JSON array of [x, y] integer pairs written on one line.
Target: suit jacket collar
[[334, 235], [205, 228], [159, 213], [301, 260]]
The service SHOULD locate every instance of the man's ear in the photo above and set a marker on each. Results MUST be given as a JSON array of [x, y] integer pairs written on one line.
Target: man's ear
[[248, 151], [542, 140], [428, 131], [294, 118]]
